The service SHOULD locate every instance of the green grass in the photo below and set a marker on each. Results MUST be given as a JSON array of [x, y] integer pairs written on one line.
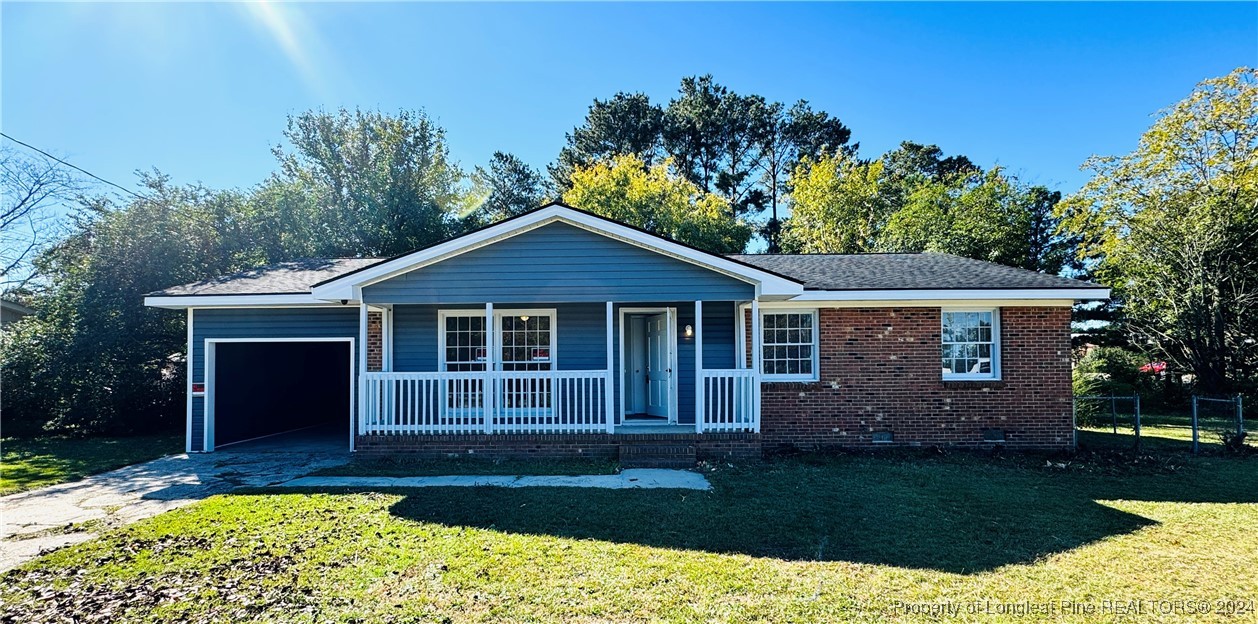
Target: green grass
[[28, 463], [802, 539], [422, 468]]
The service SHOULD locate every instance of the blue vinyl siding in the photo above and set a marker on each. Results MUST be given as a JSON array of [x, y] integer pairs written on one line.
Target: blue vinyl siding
[[581, 341], [558, 262], [341, 322]]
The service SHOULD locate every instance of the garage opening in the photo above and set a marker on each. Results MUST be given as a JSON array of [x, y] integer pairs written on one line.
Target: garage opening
[[265, 388]]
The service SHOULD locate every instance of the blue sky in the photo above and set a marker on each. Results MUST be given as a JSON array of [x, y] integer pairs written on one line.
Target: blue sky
[[201, 91]]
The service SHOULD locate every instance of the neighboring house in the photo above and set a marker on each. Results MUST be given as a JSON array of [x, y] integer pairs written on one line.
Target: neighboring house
[[561, 333], [11, 311]]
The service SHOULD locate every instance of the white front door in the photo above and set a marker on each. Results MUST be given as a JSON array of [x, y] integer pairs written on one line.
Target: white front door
[[659, 369]]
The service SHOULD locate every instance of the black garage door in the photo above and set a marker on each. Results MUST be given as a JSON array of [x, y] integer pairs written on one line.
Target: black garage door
[[262, 388]]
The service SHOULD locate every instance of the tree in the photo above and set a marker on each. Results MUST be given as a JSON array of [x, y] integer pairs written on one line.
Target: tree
[[840, 206], [32, 187], [714, 136], [377, 184], [94, 359], [660, 201], [914, 161], [627, 124], [1172, 226], [794, 134], [990, 217], [509, 186]]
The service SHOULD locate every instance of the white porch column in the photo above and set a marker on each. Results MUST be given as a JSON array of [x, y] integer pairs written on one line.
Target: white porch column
[[609, 389], [490, 388], [757, 355], [362, 368], [699, 399], [740, 326]]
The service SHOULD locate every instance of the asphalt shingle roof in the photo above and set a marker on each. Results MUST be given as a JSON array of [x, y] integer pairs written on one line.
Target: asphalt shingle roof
[[903, 271], [816, 271], [296, 277]]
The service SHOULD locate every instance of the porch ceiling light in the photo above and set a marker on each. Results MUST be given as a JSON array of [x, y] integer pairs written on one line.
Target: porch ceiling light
[[524, 317]]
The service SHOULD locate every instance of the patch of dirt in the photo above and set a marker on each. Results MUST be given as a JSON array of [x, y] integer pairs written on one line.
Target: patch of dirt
[[246, 587]]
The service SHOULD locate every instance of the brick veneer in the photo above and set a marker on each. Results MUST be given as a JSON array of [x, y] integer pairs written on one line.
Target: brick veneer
[[375, 341], [880, 371], [603, 446]]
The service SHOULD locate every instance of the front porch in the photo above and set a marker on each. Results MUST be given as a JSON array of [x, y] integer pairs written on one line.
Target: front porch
[[503, 370]]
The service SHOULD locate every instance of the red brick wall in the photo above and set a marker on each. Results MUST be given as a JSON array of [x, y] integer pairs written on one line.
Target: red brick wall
[[375, 342], [708, 446], [880, 371]]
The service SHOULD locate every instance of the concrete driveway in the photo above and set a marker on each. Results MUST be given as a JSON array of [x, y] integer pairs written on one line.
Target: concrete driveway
[[37, 521]]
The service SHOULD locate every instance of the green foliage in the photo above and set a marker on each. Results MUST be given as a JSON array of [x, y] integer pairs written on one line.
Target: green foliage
[[740, 147], [913, 200], [840, 206], [627, 124], [509, 187], [659, 201], [1172, 229], [94, 358], [369, 183]]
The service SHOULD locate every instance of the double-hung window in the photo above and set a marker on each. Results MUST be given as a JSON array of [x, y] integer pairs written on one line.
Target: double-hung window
[[971, 344], [524, 342], [789, 345]]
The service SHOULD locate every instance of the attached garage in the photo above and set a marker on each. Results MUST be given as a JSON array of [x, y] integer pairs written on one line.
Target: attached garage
[[259, 388]]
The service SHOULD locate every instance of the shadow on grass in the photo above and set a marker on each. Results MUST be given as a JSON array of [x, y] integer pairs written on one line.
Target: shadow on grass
[[952, 515]]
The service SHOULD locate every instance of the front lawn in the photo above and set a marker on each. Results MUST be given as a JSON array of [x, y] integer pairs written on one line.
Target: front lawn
[[805, 539], [28, 463]]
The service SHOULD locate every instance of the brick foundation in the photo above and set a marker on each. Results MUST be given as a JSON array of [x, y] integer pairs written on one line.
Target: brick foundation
[[880, 372], [711, 447]]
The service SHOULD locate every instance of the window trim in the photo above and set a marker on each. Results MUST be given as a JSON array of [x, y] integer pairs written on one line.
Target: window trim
[[995, 375], [816, 346], [494, 354]]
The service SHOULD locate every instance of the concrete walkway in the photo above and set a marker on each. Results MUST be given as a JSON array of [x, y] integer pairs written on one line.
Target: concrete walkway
[[627, 480], [49, 518]]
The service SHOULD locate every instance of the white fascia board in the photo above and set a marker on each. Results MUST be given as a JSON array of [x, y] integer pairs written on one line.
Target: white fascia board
[[1039, 294], [349, 286], [236, 301]]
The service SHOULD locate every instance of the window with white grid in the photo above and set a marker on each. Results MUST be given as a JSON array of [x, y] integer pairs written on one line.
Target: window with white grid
[[527, 341], [790, 345], [971, 344], [464, 341]]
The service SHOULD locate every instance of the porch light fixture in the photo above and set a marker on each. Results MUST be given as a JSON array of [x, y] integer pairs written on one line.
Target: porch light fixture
[[690, 331], [524, 317]]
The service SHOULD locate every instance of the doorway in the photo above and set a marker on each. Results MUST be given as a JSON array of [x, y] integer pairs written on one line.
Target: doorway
[[648, 363]]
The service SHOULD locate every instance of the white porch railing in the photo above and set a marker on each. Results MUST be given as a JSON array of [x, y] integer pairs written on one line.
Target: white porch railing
[[730, 400], [457, 402]]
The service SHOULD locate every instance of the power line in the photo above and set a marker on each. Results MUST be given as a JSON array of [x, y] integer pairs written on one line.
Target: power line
[[75, 167]]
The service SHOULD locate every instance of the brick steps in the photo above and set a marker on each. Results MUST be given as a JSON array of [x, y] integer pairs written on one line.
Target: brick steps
[[657, 454]]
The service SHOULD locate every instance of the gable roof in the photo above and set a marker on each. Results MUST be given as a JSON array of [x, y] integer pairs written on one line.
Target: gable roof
[[348, 285], [906, 271]]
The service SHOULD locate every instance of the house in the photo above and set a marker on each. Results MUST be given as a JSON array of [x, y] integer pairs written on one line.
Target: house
[[12, 311], [561, 333]]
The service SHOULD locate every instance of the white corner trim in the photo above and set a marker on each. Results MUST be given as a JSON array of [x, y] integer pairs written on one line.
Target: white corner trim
[[347, 286], [188, 434]]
